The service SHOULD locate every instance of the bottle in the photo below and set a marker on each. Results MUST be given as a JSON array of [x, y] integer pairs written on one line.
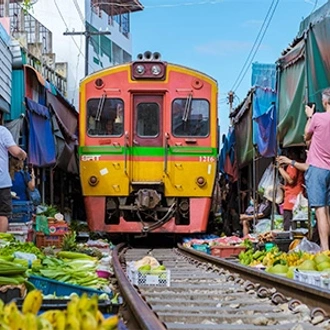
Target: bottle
[[313, 219]]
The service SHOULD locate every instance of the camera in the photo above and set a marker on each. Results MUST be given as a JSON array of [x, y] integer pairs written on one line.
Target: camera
[[311, 104]]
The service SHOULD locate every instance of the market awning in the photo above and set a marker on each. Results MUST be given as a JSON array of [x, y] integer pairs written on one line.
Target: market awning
[[65, 132], [292, 91], [242, 119], [264, 110], [41, 149]]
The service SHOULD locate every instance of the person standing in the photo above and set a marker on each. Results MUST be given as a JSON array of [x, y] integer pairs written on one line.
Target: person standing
[[293, 186], [7, 144], [317, 176]]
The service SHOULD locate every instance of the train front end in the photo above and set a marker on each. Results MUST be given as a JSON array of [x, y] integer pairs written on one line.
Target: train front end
[[148, 145]]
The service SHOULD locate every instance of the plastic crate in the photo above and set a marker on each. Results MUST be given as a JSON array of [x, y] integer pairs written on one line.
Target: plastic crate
[[20, 226], [49, 286], [202, 248], [22, 207], [309, 277], [147, 278], [226, 251], [43, 240], [20, 236], [20, 217], [58, 228]]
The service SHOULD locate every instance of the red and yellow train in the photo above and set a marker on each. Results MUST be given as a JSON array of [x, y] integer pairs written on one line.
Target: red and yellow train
[[148, 147]]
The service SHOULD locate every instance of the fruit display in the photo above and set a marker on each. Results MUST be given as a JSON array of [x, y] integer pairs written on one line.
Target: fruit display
[[81, 313], [149, 265]]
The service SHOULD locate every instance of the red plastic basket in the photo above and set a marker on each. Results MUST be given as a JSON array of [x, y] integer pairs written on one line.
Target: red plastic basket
[[43, 240], [226, 251]]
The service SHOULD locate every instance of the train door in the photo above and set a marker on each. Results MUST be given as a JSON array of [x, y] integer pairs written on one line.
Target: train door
[[148, 138]]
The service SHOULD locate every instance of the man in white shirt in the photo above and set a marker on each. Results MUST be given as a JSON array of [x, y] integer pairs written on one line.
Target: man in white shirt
[[7, 144]]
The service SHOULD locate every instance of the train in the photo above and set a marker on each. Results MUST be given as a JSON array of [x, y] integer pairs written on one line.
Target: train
[[148, 147]]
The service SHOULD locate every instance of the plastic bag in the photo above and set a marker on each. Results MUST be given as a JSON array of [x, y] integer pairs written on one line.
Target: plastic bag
[[42, 224], [300, 208], [262, 226], [307, 246], [267, 179]]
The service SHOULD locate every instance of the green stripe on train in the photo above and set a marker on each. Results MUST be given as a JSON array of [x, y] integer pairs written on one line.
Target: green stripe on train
[[147, 151]]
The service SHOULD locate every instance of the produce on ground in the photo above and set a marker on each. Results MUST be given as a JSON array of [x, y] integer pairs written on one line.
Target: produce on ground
[[81, 313], [284, 263], [75, 271]]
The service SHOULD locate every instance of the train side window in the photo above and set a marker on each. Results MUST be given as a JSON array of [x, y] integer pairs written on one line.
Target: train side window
[[147, 120], [190, 117], [105, 117]]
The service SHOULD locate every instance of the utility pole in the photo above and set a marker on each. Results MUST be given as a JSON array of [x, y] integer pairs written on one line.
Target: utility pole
[[87, 35]]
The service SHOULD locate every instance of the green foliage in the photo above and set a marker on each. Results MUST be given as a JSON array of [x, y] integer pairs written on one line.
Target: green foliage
[[26, 6]]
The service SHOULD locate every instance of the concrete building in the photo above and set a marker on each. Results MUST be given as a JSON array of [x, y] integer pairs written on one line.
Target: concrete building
[[97, 34]]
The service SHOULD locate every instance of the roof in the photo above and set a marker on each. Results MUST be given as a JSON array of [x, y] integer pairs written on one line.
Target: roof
[[117, 7]]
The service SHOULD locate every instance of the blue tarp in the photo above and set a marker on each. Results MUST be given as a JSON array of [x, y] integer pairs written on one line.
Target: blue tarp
[[264, 109], [227, 155], [41, 150]]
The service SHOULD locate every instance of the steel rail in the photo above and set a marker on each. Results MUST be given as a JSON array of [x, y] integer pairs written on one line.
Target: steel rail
[[304, 293], [143, 314]]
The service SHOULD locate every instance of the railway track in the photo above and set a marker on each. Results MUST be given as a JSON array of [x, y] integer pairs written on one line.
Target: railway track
[[211, 293]]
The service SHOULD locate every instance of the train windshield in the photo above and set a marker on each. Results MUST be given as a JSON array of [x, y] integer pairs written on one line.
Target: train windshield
[[190, 117], [105, 117], [148, 119]]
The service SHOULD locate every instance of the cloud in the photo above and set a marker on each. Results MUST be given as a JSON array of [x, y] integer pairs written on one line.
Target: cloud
[[223, 47], [252, 23]]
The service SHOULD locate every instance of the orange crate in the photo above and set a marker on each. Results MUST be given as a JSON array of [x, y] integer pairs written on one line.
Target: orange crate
[[43, 240], [226, 251]]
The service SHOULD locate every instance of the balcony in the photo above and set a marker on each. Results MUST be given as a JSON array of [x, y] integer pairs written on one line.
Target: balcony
[[117, 7]]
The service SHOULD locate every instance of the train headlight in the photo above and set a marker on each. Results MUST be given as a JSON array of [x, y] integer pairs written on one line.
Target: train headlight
[[148, 70], [93, 180], [201, 181], [156, 70], [140, 69]]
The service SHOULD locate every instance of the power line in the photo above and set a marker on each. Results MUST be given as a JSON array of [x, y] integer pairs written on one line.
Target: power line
[[256, 44], [67, 27], [82, 18]]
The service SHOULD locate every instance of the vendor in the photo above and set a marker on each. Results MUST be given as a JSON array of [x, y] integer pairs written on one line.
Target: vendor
[[263, 210]]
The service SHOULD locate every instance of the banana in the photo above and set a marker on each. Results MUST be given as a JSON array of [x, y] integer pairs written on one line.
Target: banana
[[44, 324], [51, 315], [72, 306], [99, 318], [83, 303], [32, 302], [88, 321], [11, 314], [60, 320], [31, 321], [4, 326], [72, 322], [111, 323], [93, 305]]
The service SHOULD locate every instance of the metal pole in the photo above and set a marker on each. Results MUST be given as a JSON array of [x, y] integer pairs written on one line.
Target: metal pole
[[86, 53], [87, 35]]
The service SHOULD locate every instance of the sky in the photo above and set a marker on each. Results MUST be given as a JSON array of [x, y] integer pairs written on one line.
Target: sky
[[217, 36]]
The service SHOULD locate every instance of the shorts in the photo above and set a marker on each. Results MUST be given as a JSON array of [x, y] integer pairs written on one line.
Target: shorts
[[6, 207], [318, 186], [287, 217]]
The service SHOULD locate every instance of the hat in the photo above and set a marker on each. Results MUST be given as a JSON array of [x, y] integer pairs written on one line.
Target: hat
[[268, 194]]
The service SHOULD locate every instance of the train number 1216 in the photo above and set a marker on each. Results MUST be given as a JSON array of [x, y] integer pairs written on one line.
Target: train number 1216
[[206, 159]]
